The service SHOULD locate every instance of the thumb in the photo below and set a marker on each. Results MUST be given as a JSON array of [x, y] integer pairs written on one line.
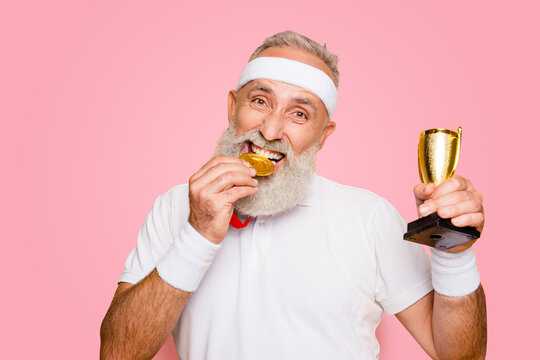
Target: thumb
[[423, 192]]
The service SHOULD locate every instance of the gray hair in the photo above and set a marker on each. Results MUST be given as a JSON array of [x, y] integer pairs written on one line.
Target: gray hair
[[293, 39]]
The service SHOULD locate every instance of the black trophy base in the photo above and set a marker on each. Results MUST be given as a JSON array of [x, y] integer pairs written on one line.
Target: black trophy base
[[439, 233]]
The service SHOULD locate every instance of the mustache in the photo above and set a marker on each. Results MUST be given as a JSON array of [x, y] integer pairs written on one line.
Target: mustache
[[283, 146]]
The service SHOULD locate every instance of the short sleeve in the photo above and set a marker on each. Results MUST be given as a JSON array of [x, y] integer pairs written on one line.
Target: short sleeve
[[154, 239], [403, 268]]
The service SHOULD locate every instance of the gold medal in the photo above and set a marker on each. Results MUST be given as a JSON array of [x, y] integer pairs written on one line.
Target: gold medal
[[262, 165]]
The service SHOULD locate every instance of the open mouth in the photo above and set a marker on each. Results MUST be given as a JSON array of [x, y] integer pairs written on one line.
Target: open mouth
[[274, 156]]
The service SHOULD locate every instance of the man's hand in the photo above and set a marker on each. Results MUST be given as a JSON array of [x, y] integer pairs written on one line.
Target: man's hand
[[454, 198], [212, 193]]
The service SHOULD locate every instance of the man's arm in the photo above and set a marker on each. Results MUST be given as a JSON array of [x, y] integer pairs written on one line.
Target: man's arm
[[140, 318], [450, 327]]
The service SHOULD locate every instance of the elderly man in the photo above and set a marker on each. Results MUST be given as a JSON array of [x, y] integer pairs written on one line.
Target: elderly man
[[292, 265]]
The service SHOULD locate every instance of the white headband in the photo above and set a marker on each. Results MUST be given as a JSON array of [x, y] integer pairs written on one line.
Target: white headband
[[295, 73]]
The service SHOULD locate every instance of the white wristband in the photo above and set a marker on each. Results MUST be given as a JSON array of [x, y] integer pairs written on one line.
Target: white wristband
[[187, 260], [454, 274]]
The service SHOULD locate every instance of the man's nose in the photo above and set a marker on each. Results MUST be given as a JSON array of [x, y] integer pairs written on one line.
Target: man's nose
[[273, 126]]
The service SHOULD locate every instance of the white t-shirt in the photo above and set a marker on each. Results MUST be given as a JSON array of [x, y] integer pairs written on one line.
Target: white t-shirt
[[308, 284]]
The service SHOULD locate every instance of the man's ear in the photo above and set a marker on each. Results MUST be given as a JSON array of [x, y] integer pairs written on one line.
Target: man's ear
[[327, 131], [231, 104]]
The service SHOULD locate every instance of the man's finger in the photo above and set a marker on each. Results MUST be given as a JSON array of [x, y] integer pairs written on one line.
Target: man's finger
[[452, 199], [455, 183], [458, 209], [230, 179], [428, 207], [215, 161], [423, 192], [474, 219], [238, 192], [214, 172]]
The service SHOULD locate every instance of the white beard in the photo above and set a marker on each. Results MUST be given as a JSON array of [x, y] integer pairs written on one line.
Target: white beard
[[281, 191]]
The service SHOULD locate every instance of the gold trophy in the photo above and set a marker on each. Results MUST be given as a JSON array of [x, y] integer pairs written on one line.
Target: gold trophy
[[438, 155]]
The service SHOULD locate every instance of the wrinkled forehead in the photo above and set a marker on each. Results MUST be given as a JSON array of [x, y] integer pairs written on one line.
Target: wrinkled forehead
[[295, 73]]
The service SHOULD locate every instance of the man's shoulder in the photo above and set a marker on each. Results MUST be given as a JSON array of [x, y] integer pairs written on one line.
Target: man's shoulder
[[348, 199], [340, 191], [180, 190], [178, 195]]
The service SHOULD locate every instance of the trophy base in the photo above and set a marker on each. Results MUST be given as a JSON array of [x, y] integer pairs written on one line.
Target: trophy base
[[439, 233]]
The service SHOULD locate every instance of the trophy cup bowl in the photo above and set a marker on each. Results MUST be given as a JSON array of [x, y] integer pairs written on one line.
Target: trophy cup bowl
[[438, 155]]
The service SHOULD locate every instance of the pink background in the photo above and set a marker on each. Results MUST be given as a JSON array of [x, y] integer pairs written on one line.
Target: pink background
[[105, 105]]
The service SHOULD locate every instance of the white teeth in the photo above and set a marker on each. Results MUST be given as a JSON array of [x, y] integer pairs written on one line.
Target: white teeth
[[267, 154]]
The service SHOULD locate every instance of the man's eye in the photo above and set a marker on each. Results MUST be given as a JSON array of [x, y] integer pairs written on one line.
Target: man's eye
[[259, 101], [300, 114]]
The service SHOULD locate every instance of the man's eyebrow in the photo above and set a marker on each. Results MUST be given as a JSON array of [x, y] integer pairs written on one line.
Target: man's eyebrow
[[305, 101], [262, 88]]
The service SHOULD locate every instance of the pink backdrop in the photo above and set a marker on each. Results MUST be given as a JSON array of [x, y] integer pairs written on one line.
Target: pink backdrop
[[105, 105]]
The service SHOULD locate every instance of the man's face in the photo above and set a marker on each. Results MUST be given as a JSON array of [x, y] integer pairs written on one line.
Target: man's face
[[284, 123], [280, 111]]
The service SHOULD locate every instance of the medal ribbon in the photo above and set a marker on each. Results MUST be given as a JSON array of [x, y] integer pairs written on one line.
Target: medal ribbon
[[237, 223]]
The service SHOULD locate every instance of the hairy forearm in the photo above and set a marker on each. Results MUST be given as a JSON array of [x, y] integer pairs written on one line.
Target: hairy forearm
[[140, 319], [460, 326]]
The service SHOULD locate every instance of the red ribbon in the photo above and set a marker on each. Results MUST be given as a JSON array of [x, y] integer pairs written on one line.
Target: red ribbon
[[237, 223]]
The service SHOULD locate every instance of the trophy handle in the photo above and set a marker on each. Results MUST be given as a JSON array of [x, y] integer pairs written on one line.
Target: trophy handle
[[458, 150], [459, 135]]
